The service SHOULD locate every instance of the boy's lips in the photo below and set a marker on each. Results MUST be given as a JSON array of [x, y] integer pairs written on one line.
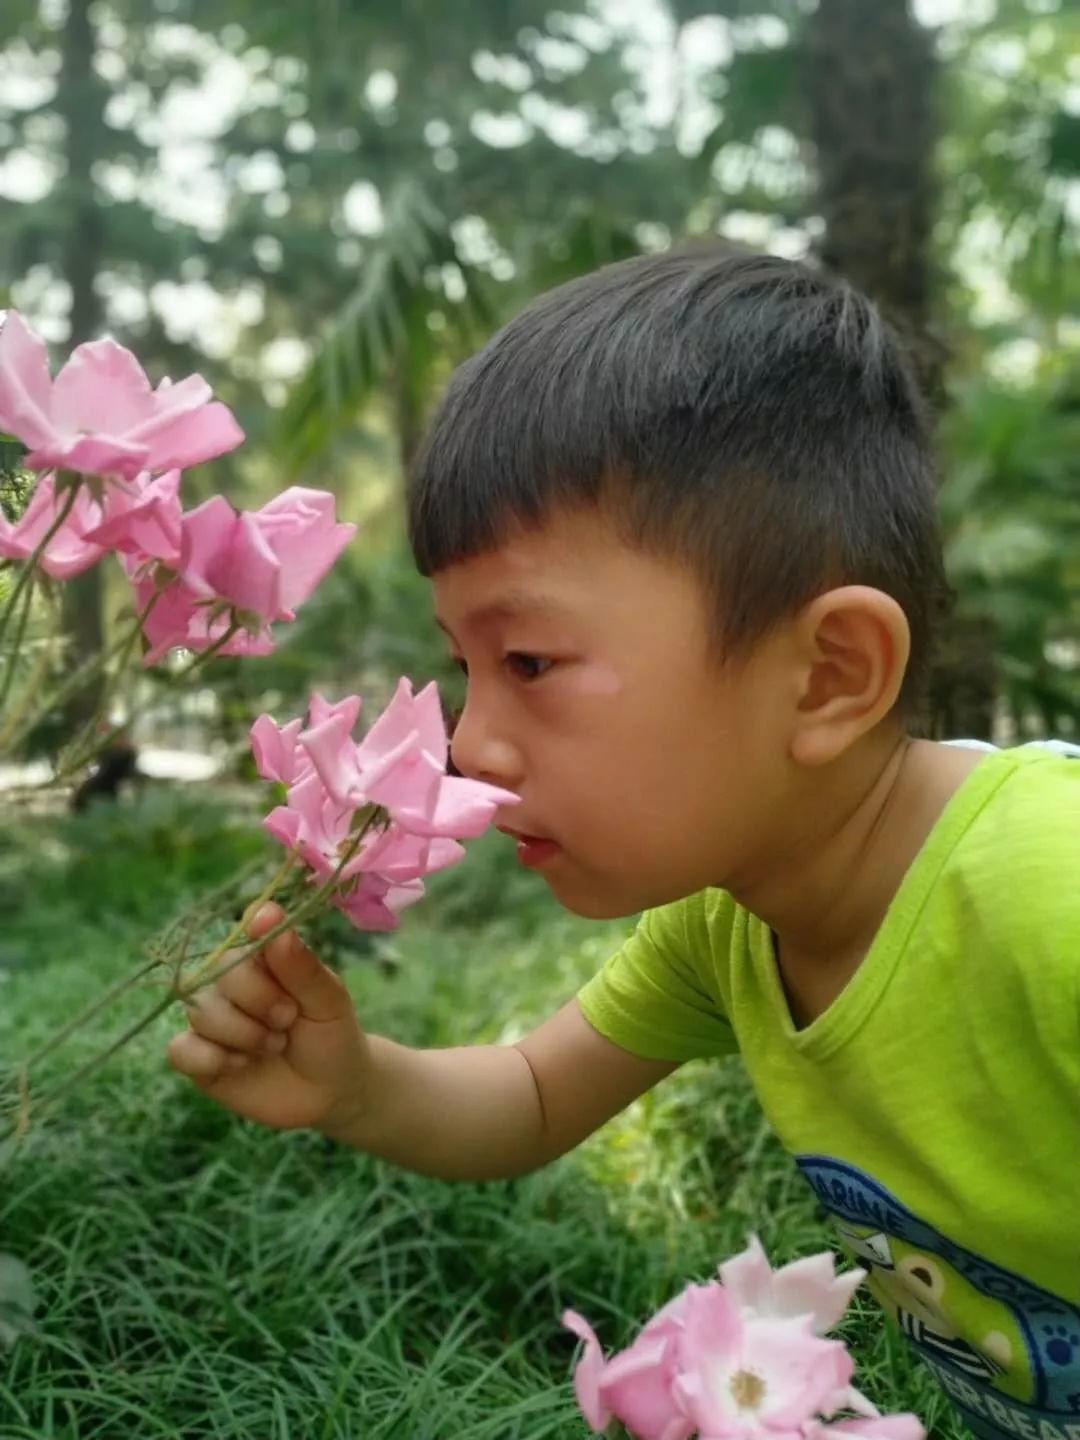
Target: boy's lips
[[532, 850], [522, 834]]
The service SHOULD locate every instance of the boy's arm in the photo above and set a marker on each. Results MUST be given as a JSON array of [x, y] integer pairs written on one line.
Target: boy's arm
[[491, 1111]]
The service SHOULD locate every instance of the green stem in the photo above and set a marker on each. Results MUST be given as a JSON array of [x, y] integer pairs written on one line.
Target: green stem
[[31, 563], [76, 760], [20, 631], [88, 1014], [76, 680], [10, 727], [302, 911], [128, 981], [48, 1100], [185, 990], [240, 927], [204, 907], [124, 645]]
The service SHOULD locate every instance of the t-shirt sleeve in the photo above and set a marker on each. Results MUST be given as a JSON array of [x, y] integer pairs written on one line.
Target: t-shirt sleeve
[[654, 996]]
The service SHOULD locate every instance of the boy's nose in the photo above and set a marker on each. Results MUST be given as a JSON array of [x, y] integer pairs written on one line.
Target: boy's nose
[[479, 754]]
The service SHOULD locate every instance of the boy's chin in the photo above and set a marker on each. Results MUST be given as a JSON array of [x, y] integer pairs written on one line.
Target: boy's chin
[[600, 902], [595, 905]]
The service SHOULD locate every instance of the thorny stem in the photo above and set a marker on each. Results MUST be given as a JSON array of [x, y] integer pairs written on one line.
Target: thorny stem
[[48, 1101], [11, 724]]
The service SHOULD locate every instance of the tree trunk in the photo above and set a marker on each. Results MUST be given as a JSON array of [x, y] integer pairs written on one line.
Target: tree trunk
[[81, 104], [870, 77], [870, 74]]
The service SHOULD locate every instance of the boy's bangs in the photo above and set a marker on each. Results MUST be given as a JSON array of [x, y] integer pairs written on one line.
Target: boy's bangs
[[504, 452]]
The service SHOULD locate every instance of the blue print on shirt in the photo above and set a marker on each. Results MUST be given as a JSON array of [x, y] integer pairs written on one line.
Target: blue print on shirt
[[1007, 1351]]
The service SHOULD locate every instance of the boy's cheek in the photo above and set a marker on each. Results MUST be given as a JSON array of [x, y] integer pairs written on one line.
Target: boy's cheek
[[597, 679]]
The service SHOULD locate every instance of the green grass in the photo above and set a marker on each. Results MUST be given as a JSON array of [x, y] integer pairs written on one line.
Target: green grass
[[201, 1277]]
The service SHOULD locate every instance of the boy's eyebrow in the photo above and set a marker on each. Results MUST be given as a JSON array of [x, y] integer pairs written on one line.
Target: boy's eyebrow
[[508, 607]]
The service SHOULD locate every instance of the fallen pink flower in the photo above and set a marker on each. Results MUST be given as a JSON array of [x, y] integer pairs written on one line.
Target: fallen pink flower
[[741, 1379], [809, 1286], [636, 1384], [742, 1358], [100, 415], [900, 1426]]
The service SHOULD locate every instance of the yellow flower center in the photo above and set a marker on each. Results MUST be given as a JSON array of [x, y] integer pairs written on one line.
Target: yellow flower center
[[747, 1389]]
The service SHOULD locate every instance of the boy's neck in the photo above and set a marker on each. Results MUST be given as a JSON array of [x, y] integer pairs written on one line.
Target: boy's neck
[[828, 887]]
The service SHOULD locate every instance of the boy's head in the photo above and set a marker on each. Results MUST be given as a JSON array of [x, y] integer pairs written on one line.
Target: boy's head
[[734, 424], [741, 413]]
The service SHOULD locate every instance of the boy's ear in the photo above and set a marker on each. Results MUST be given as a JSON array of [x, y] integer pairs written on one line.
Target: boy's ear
[[852, 646]]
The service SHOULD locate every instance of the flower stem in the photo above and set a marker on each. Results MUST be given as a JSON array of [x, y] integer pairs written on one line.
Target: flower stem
[[10, 726], [20, 631], [74, 681], [166, 938], [75, 759], [88, 1014], [84, 741], [302, 911], [47, 1101], [206, 973], [30, 564], [158, 961], [239, 928]]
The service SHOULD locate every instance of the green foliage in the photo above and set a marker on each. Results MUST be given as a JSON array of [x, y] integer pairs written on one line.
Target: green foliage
[[119, 866], [16, 483], [382, 332], [469, 230], [1011, 509]]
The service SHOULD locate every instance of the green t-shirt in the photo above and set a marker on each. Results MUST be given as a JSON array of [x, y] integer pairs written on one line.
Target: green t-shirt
[[934, 1107]]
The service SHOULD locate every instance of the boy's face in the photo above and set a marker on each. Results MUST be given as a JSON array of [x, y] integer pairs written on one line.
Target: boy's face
[[591, 696]]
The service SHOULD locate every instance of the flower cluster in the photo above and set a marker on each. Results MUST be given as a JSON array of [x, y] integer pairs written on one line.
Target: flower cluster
[[112, 450], [741, 1358], [397, 773]]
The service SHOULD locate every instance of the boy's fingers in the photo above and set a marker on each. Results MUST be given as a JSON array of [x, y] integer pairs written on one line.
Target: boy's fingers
[[201, 1060], [257, 921], [250, 988], [317, 990], [216, 1018]]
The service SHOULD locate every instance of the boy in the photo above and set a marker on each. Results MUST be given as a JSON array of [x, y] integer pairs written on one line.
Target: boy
[[679, 517]]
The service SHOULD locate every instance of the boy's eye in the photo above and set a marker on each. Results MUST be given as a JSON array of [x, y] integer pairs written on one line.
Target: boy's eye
[[527, 667]]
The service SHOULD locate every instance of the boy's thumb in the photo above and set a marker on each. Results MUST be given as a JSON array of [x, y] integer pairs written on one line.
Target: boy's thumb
[[319, 993]]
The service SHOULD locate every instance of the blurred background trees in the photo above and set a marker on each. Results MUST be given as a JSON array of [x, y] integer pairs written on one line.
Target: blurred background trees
[[324, 207]]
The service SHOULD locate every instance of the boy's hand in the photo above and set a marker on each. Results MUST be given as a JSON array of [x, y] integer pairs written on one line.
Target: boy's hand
[[277, 1039]]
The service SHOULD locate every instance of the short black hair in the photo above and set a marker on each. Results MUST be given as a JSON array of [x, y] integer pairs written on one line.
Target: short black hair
[[746, 413]]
